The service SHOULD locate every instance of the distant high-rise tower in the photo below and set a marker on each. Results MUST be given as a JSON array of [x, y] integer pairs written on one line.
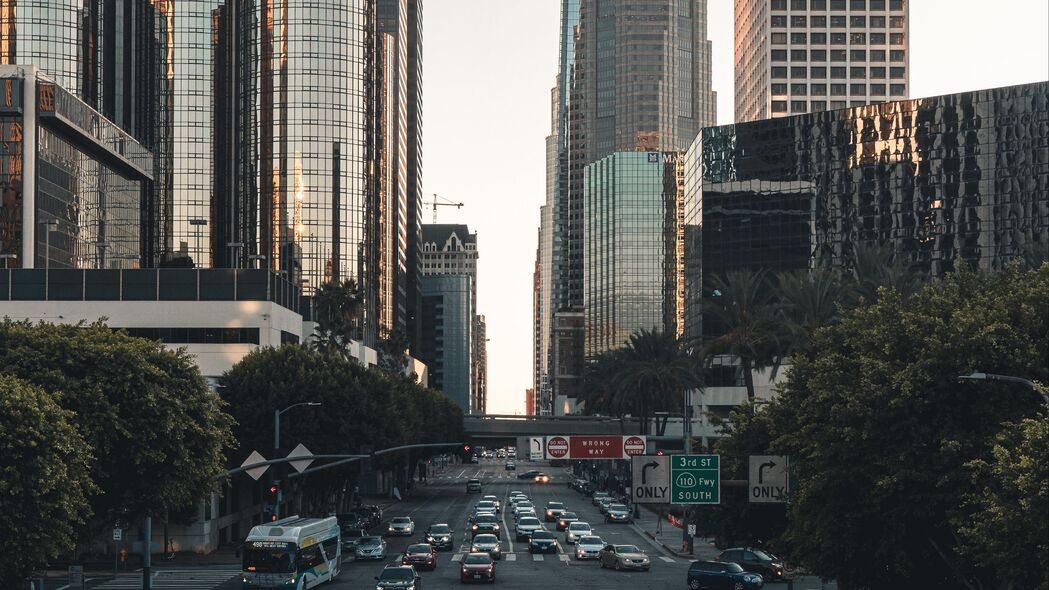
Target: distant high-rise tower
[[634, 75], [798, 56]]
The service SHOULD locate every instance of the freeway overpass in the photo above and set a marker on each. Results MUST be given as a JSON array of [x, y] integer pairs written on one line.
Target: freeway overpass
[[494, 426]]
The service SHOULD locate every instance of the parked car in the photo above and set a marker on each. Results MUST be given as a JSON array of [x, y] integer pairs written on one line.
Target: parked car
[[401, 525], [620, 557], [420, 556], [588, 547], [756, 561], [476, 567], [487, 543], [400, 577], [370, 548], [713, 575], [542, 542], [440, 536], [566, 519]]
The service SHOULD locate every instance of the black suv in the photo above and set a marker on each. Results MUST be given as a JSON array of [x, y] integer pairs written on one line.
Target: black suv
[[755, 560], [713, 575]]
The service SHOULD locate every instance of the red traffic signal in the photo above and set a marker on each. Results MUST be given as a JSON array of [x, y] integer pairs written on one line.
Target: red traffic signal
[[660, 453], [467, 448], [273, 489]]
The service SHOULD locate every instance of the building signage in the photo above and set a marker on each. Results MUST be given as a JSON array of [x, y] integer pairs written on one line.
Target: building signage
[[695, 479], [768, 479], [557, 447], [595, 447], [650, 483]]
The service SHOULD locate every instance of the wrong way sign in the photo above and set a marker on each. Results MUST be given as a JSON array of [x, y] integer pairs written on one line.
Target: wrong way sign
[[651, 479], [768, 479]]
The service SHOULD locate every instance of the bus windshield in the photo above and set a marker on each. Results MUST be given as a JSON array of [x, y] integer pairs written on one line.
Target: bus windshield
[[269, 558]]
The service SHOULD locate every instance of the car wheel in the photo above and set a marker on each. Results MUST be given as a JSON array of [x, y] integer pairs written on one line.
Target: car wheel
[[602, 562], [619, 567], [694, 585], [738, 586]]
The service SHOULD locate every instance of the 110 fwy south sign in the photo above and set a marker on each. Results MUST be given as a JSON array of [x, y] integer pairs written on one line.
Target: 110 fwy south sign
[[591, 447]]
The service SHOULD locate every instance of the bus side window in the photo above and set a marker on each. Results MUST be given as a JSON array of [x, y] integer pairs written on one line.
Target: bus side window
[[330, 548], [310, 557]]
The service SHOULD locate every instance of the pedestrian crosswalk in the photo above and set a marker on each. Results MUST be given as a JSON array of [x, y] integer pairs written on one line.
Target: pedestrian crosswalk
[[188, 579], [457, 557]]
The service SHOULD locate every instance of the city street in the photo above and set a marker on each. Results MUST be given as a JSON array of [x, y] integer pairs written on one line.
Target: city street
[[443, 499]]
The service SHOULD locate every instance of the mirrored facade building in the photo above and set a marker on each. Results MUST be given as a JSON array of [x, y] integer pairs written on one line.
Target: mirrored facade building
[[948, 182], [633, 247]]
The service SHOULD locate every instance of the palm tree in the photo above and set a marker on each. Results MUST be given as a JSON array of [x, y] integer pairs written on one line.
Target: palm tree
[[600, 390], [336, 309], [746, 316], [656, 371], [875, 265], [808, 300]]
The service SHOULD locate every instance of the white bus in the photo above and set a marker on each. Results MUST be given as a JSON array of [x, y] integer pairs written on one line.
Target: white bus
[[292, 553]]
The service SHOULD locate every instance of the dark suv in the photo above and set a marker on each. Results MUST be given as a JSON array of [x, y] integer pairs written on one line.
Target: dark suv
[[713, 575], [755, 560], [473, 486]]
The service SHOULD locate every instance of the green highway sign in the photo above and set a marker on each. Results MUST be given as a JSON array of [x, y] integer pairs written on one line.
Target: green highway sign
[[695, 479]]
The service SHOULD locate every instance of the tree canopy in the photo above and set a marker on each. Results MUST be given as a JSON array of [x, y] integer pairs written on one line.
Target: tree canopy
[[44, 479], [156, 433]]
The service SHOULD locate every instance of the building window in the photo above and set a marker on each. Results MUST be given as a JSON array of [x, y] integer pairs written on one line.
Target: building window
[[779, 4], [837, 54], [858, 73], [897, 55], [819, 38], [895, 22], [858, 4], [799, 89], [838, 104], [779, 72], [858, 38], [819, 4], [837, 22], [837, 4], [837, 90], [896, 38], [877, 55], [818, 55], [878, 73], [779, 38], [857, 89], [798, 55], [799, 21], [779, 106], [837, 73], [897, 73], [798, 106], [819, 90], [877, 22], [818, 21], [779, 89], [797, 38], [837, 38], [779, 21], [858, 55], [819, 72], [877, 4], [798, 72], [895, 4], [817, 105], [898, 89], [779, 55], [877, 90], [797, 4], [857, 21], [877, 38]]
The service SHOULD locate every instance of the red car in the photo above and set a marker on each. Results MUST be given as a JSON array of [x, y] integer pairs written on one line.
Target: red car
[[420, 555], [477, 567]]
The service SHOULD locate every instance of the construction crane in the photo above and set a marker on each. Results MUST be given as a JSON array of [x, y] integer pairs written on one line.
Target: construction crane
[[442, 202]]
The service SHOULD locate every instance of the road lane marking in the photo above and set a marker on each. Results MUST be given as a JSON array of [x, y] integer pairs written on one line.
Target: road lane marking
[[511, 557], [537, 557], [457, 557], [564, 557], [667, 559]]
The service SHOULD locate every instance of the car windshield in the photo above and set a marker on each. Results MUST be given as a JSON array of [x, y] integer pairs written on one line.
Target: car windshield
[[396, 574], [762, 555], [616, 508], [568, 515], [440, 529], [370, 542], [420, 548], [554, 505], [269, 558], [627, 549], [485, 539], [579, 526], [734, 567], [524, 504], [542, 535], [487, 518], [528, 521], [591, 541], [401, 520], [486, 504], [477, 558]]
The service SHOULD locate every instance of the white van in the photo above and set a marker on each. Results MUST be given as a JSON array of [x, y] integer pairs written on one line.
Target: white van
[[292, 553]]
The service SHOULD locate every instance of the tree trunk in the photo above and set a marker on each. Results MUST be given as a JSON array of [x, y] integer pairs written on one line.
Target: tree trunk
[[748, 378]]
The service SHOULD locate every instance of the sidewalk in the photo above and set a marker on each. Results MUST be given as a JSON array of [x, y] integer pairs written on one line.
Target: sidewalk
[[669, 536]]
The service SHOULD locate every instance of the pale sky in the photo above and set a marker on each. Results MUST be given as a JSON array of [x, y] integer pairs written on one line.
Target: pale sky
[[489, 65]]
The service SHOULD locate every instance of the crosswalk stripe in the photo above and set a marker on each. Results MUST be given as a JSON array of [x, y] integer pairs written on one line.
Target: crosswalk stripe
[[182, 580], [564, 557], [511, 557], [457, 557], [667, 559], [537, 557]]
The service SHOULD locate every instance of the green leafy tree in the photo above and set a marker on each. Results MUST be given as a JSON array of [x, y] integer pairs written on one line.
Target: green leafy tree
[[656, 372], [808, 300], [392, 351], [873, 266], [44, 479], [157, 432], [337, 307], [745, 315], [601, 389], [879, 430], [1008, 531]]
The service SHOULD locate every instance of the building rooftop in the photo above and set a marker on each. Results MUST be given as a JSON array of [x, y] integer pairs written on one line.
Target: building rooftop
[[440, 233]]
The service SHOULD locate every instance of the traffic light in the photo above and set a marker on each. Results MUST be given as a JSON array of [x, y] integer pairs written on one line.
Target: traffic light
[[467, 448], [271, 502], [660, 453]]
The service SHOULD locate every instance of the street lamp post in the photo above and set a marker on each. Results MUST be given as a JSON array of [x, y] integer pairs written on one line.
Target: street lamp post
[[1005, 378], [8, 258], [276, 444]]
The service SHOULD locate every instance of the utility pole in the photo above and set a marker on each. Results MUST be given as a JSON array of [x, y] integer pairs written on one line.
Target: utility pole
[[686, 432]]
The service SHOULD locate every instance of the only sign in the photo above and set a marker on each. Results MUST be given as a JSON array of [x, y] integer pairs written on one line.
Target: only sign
[[633, 445], [557, 447]]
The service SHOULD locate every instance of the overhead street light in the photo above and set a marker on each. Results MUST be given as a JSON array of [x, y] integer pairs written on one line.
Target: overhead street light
[[276, 420], [1006, 378]]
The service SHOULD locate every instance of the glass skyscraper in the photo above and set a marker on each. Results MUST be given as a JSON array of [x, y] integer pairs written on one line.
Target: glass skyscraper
[[948, 182]]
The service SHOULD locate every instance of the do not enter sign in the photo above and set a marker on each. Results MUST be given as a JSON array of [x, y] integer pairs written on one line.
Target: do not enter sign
[[556, 447], [634, 445]]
